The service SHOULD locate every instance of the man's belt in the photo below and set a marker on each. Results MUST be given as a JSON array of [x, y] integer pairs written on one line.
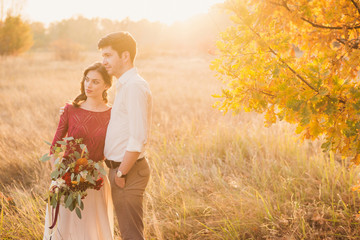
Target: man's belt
[[112, 164]]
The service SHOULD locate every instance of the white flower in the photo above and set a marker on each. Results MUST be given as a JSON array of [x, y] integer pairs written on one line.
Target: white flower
[[60, 182], [55, 185], [52, 185], [83, 174]]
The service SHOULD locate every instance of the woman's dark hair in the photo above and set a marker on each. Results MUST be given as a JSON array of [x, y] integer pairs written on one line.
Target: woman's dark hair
[[97, 66], [120, 42]]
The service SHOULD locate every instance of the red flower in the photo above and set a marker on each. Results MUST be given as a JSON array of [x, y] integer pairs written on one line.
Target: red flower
[[67, 178], [76, 170], [99, 183]]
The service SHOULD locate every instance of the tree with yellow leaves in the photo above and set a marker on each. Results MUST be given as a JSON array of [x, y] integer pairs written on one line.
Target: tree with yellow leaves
[[15, 36], [298, 61]]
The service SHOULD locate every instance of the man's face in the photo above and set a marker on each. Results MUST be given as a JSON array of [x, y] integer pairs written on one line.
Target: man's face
[[113, 63]]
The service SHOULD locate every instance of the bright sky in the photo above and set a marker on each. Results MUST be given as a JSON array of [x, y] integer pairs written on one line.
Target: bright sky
[[166, 11]]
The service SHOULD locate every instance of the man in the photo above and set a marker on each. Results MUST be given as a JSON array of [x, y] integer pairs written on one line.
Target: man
[[127, 133]]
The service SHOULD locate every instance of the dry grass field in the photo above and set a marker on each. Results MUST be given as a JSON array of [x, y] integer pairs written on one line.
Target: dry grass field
[[214, 176]]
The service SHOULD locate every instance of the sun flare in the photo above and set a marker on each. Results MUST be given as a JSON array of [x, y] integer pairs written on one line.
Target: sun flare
[[165, 11]]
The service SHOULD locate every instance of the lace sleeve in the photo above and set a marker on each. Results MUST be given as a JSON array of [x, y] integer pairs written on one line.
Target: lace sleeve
[[62, 128]]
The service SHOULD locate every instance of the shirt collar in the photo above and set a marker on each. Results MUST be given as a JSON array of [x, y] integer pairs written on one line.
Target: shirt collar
[[127, 76]]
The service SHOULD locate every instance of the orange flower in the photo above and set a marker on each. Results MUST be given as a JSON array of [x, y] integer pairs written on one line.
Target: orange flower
[[82, 161]]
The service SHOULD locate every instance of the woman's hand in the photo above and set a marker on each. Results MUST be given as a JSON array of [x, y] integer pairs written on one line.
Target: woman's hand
[[61, 110], [53, 185], [52, 162]]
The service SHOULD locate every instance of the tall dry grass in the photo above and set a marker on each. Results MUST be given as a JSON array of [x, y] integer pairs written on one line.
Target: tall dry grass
[[214, 176]]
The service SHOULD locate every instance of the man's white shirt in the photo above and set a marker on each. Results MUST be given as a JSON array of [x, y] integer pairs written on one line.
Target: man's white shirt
[[130, 120]]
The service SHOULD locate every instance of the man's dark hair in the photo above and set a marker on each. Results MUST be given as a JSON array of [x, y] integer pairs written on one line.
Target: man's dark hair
[[120, 42]]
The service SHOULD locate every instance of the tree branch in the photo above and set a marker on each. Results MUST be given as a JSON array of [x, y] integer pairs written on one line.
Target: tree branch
[[316, 24], [327, 27], [282, 61], [353, 43], [356, 5], [268, 94]]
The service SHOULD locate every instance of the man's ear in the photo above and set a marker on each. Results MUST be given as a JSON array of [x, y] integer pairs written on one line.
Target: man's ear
[[125, 55]]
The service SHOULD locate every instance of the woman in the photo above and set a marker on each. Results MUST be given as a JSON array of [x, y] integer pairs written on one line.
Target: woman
[[87, 118]]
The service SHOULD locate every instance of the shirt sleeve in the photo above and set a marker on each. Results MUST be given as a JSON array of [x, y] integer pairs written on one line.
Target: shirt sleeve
[[62, 128], [137, 107]]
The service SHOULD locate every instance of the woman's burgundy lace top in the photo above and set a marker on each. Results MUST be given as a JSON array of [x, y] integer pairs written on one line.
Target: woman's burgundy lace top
[[90, 126]]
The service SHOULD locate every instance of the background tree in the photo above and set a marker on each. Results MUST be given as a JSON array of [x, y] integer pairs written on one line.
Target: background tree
[[15, 36], [296, 61], [194, 35], [65, 49], [41, 39], [79, 30]]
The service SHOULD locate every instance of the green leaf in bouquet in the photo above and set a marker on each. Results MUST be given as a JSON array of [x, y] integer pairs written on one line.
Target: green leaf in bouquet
[[68, 138], [96, 174], [72, 176], [69, 201], [47, 142], [54, 174], [102, 170], [60, 194], [61, 142], [72, 206], [61, 170], [57, 161], [96, 165], [58, 150], [77, 155], [72, 165], [78, 212], [82, 146], [81, 205], [90, 161], [79, 199], [78, 178], [53, 201], [45, 157], [89, 179]]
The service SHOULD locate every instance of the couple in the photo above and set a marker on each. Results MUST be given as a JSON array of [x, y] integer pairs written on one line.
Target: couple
[[118, 134]]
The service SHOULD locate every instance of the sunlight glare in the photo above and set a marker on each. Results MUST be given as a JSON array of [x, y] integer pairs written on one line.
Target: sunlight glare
[[165, 11]]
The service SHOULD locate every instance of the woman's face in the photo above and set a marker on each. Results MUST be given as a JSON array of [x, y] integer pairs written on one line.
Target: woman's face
[[94, 84]]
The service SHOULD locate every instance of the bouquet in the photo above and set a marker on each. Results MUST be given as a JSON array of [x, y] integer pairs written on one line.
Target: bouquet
[[72, 176]]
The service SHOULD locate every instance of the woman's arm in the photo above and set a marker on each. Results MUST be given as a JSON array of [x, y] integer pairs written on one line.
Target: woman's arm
[[61, 130]]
